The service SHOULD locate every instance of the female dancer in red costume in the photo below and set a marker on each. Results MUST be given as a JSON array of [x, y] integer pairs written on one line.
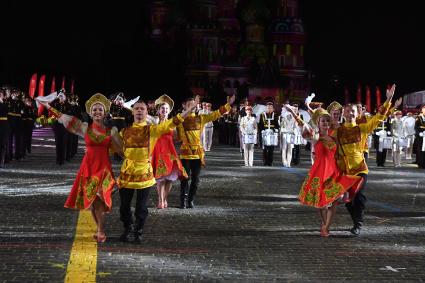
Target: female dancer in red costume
[[94, 182], [325, 186], [166, 164]]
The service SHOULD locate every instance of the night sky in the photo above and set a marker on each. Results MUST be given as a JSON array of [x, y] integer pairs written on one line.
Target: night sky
[[105, 48]]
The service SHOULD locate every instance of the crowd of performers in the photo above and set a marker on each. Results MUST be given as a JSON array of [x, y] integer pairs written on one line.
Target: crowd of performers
[[142, 136], [149, 157], [274, 127]]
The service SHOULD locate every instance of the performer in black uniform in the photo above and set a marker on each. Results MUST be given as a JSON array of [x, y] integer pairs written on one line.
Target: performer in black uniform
[[4, 128], [61, 134], [15, 106], [420, 133], [269, 122], [28, 118], [72, 141], [121, 116], [381, 131]]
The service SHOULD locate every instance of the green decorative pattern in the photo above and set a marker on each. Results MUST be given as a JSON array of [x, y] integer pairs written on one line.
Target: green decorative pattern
[[91, 187]]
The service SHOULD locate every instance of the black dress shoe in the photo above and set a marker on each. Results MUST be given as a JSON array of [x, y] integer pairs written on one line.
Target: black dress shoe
[[138, 236], [355, 230], [125, 236]]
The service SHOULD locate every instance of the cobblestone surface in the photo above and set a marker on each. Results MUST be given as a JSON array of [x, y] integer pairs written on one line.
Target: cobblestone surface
[[248, 226]]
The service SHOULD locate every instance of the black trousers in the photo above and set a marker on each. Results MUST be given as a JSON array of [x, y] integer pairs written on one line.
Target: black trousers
[[296, 155], [381, 157], [420, 155], [61, 141], [28, 126], [141, 212], [268, 155], [4, 141], [193, 170], [357, 206], [15, 137]]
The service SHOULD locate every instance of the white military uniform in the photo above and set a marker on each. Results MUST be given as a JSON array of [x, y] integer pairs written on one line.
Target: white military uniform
[[397, 131], [409, 128], [288, 127], [207, 132], [248, 126]]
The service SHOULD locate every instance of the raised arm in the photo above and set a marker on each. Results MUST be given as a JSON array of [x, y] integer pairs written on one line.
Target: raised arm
[[374, 121], [217, 114], [71, 123]]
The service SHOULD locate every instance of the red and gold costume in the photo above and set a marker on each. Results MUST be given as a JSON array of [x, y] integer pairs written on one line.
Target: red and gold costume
[[165, 161], [325, 183], [362, 120], [351, 138], [138, 144], [190, 130], [95, 177]]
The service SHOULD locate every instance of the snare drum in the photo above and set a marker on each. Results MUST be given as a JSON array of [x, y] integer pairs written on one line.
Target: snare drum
[[270, 138], [403, 142], [387, 142], [250, 139]]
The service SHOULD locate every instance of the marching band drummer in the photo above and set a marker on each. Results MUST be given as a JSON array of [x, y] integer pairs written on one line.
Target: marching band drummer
[[269, 127], [248, 128], [409, 128], [381, 133], [420, 134], [288, 127], [398, 133]]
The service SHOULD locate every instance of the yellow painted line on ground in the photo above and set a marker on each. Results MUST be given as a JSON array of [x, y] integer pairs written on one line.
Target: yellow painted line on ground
[[83, 259]]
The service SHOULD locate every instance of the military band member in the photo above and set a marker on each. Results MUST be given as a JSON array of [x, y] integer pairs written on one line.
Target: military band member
[[4, 128], [75, 110], [232, 119], [268, 125], [191, 151], [248, 126], [398, 133], [16, 107], [381, 132], [298, 138], [61, 134], [121, 116], [207, 133], [420, 136], [28, 119], [409, 127], [288, 128]]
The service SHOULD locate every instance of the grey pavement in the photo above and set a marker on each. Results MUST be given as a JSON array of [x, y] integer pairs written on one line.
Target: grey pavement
[[247, 226]]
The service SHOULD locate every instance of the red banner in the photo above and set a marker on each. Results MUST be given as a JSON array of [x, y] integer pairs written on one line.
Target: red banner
[[378, 97], [63, 83], [53, 86], [41, 92], [359, 94], [368, 101], [72, 86], [346, 95], [33, 85]]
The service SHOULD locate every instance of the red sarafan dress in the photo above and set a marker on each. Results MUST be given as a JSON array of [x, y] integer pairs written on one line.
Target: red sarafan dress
[[95, 176], [325, 183], [165, 161]]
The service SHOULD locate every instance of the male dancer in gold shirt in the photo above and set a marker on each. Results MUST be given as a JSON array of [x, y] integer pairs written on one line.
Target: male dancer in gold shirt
[[350, 154], [191, 151], [136, 174]]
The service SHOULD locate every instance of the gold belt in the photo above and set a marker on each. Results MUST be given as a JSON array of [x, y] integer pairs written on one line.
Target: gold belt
[[14, 114], [27, 119], [118, 118], [3, 118]]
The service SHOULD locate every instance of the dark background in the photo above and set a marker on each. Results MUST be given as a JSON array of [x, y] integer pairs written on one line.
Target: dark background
[[104, 46]]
